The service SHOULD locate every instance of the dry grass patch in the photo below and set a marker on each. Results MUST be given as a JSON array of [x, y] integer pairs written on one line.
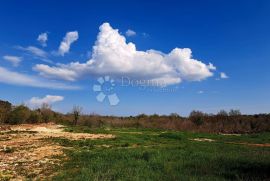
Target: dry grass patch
[[25, 153]]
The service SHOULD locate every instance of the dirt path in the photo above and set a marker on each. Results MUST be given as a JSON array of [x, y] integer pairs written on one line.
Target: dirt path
[[25, 153]]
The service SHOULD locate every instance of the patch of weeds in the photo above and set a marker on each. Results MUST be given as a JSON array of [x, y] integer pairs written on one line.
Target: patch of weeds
[[8, 149], [69, 130], [74, 143], [5, 175], [146, 156], [32, 175], [125, 145], [170, 136]]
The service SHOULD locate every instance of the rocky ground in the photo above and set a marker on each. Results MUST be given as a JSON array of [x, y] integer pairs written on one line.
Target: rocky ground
[[25, 151]]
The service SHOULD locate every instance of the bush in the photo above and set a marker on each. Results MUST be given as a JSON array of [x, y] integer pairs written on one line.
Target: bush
[[19, 115], [142, 116], [197, 117], [35, 117], [5, 109], [174, 115], [46, 113]]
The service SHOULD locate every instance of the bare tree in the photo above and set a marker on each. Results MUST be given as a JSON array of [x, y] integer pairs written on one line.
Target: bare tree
[[46, 112], [222, 113], [234, 112], [76, 111]]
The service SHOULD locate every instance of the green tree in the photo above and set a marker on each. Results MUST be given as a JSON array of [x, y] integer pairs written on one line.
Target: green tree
[[5, 109], [19, 115], [35, 117]]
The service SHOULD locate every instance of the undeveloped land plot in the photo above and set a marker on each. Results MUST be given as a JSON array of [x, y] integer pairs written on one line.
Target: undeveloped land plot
[[25, 151]]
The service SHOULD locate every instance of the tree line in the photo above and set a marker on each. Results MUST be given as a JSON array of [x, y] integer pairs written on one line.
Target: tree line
[[222, 122]]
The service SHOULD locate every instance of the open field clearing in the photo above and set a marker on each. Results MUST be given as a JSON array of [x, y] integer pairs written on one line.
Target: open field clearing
[[25, 151], [50, 151]]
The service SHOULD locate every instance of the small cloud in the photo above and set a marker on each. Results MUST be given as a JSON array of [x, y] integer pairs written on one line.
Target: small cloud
[[54, 72], [42, 39], [48, 99], [130, 32], [34, 50], [145, 35], [13, 59], [70, 38], [36, 53], [223, 75], [211, 66], [200, 92]]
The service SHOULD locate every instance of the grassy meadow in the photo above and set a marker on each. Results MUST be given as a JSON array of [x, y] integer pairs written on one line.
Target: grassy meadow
[[149, 154]]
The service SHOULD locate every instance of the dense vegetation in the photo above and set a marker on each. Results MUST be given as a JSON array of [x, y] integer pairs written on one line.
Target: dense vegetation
[[222, 122]]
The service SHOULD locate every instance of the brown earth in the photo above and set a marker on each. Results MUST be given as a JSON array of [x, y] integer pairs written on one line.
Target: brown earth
[[25, 151]]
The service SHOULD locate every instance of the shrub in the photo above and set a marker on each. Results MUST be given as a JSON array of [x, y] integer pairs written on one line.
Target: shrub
[[222, 113], [197, 117], [35, 117], [5, 109], [46, 113], [142, 116], [174, 115], [170, 136], [19, 115]]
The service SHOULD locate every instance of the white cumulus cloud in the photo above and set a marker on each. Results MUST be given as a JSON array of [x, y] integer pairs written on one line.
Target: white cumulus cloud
[[70, 38], [42, 39], [130, 32], [48, 99], [223, 75], [112, 55], [14, 60]]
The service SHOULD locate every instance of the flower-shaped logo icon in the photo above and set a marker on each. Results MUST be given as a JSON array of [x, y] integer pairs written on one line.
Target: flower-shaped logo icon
[[105, 87]]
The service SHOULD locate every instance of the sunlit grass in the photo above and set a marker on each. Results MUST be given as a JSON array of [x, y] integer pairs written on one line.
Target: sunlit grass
[[144, 154]]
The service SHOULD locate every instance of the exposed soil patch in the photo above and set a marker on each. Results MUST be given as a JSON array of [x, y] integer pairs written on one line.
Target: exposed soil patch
[[129, 132], [25, 153], [203, 139], [228, 134]]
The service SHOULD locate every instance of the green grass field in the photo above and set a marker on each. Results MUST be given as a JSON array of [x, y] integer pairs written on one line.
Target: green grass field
[[143, 154]]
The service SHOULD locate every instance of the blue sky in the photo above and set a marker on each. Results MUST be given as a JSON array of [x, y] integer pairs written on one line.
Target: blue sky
[[233, 36]]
